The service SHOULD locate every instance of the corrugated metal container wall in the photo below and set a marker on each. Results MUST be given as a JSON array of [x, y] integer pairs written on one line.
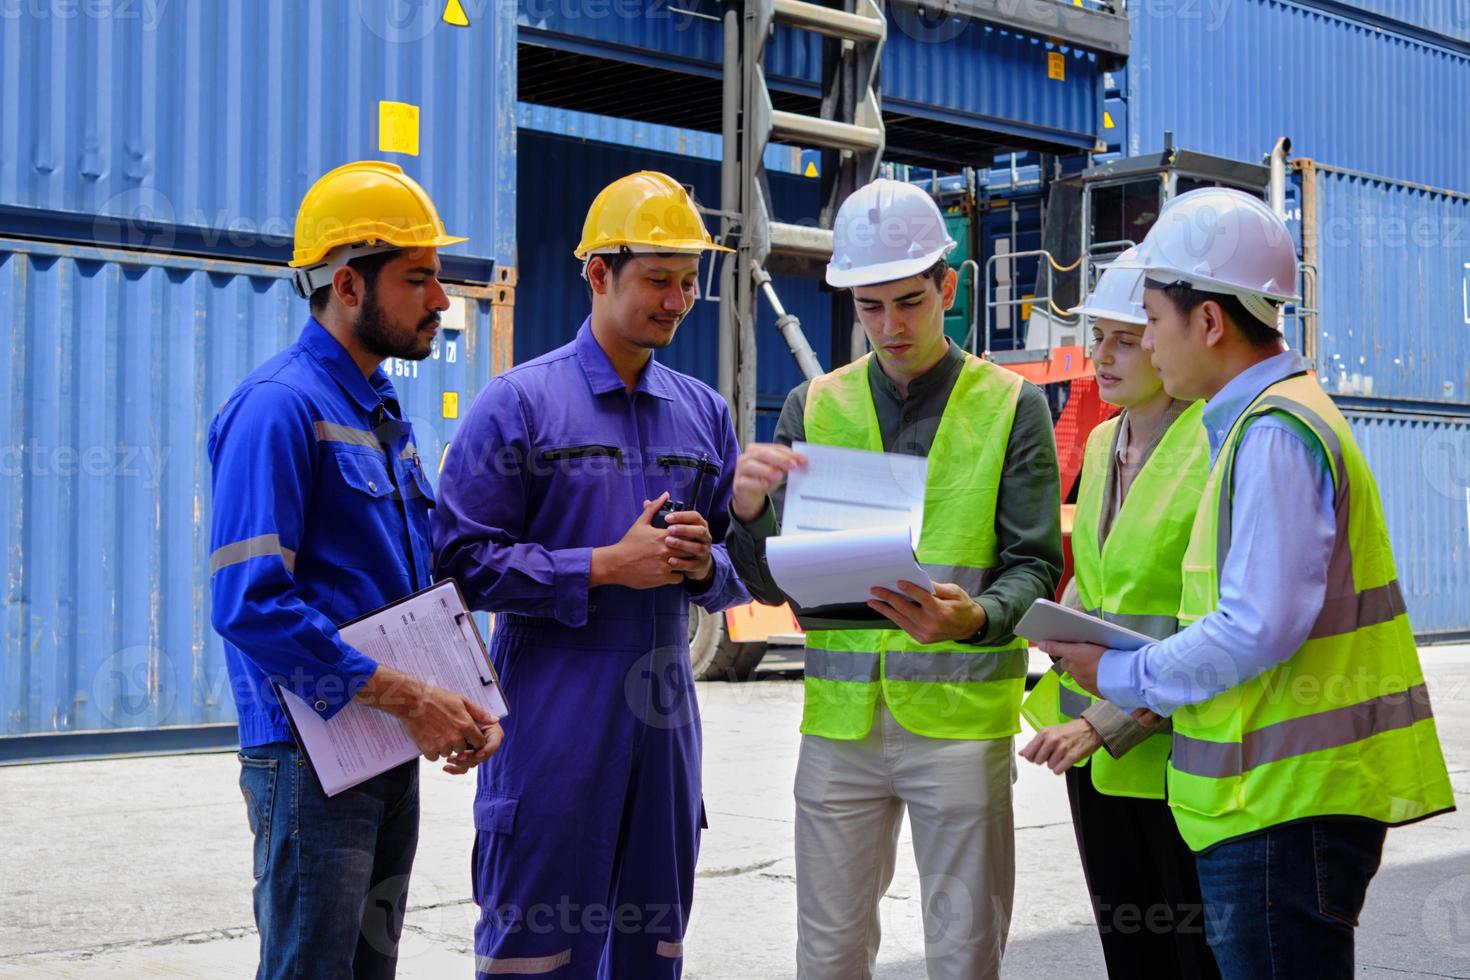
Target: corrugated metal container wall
[[1344, 91], [220, 115], [559, 177], [1422, 463], [1393, 265], [1445, 18], [116, 363], [962, 71]]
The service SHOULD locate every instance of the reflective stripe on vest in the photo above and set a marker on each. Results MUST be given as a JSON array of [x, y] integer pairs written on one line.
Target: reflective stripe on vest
[[1341, 728], [1297, 736], [940, 690], [1132, 578]]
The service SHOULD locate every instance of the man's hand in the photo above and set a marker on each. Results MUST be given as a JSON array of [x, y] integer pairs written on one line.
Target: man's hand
[[689, 542], [760, 469], [441, 723], [1079, 660], [462, 762], [1060, 747], [948, 614], [641, 560]]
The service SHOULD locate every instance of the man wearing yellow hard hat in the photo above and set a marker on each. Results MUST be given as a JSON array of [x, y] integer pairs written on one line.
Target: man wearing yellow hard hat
[[321, 514], [584, 501]]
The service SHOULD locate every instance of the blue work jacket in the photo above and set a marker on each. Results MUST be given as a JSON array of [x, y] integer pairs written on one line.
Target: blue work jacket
[[320, 514]]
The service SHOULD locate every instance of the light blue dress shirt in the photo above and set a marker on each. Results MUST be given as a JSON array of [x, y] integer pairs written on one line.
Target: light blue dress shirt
[[1275, 574]]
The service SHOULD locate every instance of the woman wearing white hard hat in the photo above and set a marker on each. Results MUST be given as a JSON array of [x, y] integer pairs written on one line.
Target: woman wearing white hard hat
[[912, 699], [1142, 475], [1302, 725]]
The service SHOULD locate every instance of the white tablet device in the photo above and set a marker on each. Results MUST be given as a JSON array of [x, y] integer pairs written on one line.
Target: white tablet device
[[1047, 620]]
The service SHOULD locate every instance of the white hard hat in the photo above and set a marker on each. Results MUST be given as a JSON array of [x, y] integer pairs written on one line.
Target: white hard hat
[[1118, 294], [886, 230], [1220, 240]]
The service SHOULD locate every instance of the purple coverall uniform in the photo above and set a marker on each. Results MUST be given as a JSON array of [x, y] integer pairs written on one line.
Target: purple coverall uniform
[[588, 819]]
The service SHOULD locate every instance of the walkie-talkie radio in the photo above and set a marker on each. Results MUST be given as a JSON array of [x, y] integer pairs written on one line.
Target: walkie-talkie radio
[[671, 505]]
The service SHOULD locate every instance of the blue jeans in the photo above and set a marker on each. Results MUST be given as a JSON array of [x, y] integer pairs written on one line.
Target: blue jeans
[[1284, 902], [331, 874]]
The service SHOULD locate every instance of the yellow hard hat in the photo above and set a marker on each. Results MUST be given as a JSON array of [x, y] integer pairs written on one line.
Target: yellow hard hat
[[367, 201], [646, 211]]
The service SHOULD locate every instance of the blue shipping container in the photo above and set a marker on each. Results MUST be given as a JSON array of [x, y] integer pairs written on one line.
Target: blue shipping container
[[1443, 20], [558, 179], [959, 71], [1229, 78], [116, 364], [1422, 463], [220, 115], [1393, 276]]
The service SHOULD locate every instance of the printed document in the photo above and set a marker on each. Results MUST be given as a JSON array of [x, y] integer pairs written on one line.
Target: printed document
[[430, 636], [851, 521]]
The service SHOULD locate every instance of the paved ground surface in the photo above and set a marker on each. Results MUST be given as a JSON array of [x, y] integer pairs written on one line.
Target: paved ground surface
[[140, 867]]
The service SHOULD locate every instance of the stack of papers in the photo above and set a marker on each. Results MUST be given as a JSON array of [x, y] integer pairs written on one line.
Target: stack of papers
[[851, 522], [429, 635]]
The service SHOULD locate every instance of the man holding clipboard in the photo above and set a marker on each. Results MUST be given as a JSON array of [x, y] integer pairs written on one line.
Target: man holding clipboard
[[321, 514]]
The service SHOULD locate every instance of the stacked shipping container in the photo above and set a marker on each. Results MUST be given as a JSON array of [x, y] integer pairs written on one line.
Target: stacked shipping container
[[193, 128], [130, 135], [1373, 95]]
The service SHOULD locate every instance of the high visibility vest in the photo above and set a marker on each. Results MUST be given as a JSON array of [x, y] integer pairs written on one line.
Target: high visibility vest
[[939, 690], [1344, 726], [1132, 579]]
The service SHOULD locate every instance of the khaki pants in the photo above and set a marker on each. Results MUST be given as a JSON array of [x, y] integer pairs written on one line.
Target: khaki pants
[[850, 799]]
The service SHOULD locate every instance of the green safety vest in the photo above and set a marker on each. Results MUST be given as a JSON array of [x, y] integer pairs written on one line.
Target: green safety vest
[[939, 690], [1344, 726], [1133, 578]]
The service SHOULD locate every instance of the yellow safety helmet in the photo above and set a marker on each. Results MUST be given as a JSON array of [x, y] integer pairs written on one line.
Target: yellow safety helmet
[[647, 211], [356, 210]]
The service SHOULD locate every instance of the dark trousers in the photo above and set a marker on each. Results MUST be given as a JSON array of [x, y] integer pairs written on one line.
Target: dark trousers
[[331, 873], [1141, 875], [1283, 903]]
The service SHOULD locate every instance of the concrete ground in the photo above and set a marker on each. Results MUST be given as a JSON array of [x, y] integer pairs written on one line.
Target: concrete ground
[[141, 867]]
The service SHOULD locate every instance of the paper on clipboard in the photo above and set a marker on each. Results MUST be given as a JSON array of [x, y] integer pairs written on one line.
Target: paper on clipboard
[[431, 636], [851, 521], [1047, 620]]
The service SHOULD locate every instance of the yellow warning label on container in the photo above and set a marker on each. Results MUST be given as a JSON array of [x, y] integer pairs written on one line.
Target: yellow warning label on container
[[1026, 308], [454, 14], [398, 128], [1107, 120], [451, 404], [811, 170], [1056, 66]]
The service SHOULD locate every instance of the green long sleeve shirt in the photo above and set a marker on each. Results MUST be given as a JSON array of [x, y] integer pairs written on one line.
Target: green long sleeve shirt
[[1027, 514]]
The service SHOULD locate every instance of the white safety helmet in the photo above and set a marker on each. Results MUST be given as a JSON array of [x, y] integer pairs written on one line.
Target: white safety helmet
[[1220, 240], [886, 230], [1118, 294]]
